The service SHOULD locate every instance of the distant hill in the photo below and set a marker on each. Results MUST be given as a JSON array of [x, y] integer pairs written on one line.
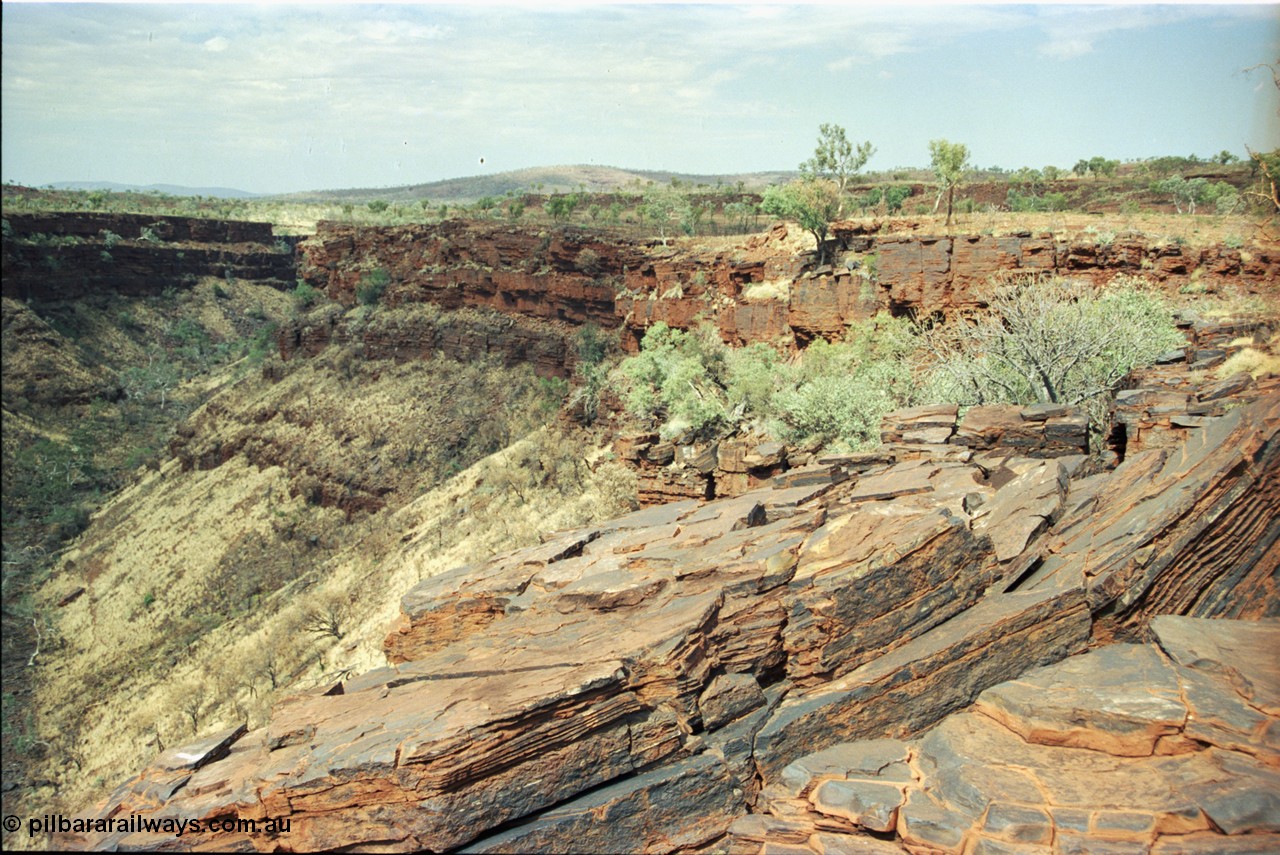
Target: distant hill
[[167, 189], [542, 179]]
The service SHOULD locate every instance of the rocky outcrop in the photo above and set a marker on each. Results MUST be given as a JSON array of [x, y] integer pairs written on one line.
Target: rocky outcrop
[[1164, 747], [64, 256], [1039, 430], [414, 333], [670, 470], [762, 291], [647, 683], [948, 272]]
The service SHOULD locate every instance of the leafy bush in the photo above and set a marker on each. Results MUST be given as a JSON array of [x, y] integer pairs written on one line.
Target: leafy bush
[[692, 383], [843, 390], [377, 206], [304, 295], [372, 286], [678, 377], [1050, 341], [588, 261], [592, 345]]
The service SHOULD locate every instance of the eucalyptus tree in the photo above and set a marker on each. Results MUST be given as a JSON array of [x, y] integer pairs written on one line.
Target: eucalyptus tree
[[950, 162], [837, 159]]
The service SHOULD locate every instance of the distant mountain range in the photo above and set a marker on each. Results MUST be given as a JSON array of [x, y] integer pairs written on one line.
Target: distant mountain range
[[167, 189], [541, 179]]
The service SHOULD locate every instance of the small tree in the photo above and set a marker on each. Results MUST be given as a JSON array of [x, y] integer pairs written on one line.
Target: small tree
[[560, 207], [950, 162], [811, 202], [1100, 166], [662, 205], [837, 159], [324, 616]]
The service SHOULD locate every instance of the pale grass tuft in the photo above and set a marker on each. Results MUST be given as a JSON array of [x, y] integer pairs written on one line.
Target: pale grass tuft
[[1254, 362], [778, 290]]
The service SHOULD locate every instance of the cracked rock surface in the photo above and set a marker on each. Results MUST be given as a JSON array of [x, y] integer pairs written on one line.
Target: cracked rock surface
[[651, 683], [1162, 747]]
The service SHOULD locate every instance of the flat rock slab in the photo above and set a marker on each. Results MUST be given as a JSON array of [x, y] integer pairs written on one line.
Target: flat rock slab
[[1027, 504], [1086, 755], [1243, 652], [1121, 699]]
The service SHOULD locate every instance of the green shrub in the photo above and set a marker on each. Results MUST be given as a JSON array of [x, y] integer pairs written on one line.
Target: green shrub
[[1050, 340], [304, 295], [588, 261], [378, 206], [262, 344], [677, 378], [843, 390], [691, 382], [189, 333], [591, 345], [372, 286]]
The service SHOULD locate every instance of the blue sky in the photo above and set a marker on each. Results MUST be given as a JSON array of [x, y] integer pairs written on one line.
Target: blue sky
[[279, 97]]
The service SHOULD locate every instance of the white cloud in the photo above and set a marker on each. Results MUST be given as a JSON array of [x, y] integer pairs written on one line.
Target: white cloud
[[1066, 47]]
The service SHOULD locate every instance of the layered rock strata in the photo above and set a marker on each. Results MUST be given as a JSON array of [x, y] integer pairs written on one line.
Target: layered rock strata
[[760, 292], [1171, 746], [64, 256], [633, 686]]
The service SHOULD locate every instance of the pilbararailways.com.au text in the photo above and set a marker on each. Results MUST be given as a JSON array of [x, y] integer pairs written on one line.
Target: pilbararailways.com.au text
[[137, 824]]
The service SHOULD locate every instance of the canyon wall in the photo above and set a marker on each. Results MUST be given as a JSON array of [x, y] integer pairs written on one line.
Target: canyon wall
[[764, 289], [65, 256]]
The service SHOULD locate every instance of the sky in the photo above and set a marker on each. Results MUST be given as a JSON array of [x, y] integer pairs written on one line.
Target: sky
[[280, 97]]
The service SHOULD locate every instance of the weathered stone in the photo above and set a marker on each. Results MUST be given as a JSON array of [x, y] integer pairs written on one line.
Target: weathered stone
[[677, 806], [1135, 697], [765, 455], [885, 759], [1026, 505], [727, 697], [1043, 412], [903, 479], [1018, 824], [870, 804], [918, 683], [1190, 531], [1231, 386], [193, 756]]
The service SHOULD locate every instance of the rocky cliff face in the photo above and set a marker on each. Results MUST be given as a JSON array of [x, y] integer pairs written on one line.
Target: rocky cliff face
[[651, 683], [65, 256], [761, 290]]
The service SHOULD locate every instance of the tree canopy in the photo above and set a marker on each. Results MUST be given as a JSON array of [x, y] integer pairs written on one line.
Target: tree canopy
[[836, 158], [811, 202], [950, 162]]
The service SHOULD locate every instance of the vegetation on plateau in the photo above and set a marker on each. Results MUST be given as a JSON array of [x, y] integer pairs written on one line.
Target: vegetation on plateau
[[1043, 340]]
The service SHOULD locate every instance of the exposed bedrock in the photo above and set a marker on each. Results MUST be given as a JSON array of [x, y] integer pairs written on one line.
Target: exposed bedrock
[[1170, 746], [67, 255], [759, 292], [648, 684]]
